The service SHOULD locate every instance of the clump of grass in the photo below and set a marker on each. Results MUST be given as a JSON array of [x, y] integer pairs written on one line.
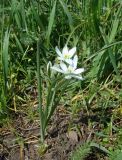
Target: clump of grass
[[116, 155], [4, 72], [81, 152]]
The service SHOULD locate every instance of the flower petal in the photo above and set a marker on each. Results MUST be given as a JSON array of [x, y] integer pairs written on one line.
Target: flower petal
[[68, 77], [57, 69], [78, 71], [78, 77], [72, 52], [75, 61], [69, 61], [58, 51], [65, 50], [63, 67]]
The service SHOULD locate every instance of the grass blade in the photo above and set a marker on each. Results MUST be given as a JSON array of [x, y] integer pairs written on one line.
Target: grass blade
[[115, 25], [5, 58], [40, 92], [67, 13], [51, 21]]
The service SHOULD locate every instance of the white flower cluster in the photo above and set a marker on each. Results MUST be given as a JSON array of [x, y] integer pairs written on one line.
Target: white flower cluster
[[68, 63]]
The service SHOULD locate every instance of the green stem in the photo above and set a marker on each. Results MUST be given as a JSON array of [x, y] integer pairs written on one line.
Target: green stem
[[40, 92], [58, 87]]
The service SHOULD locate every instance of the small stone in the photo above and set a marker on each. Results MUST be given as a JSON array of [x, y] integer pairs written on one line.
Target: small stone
[[73, 136]]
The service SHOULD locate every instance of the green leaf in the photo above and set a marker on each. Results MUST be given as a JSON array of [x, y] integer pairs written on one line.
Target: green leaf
[[67, 13], [19, 44], [51, 21], [5, 57], [115, 24], [100, 147]]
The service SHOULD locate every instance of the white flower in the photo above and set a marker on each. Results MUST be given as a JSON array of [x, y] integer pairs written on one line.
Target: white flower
[[70, 70], [66, 54]]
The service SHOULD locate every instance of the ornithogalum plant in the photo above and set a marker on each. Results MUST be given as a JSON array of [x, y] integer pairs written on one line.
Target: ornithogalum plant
[[60, 76]]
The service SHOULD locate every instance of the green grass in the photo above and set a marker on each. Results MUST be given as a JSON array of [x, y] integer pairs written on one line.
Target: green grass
[[81, 152], [95, 27]]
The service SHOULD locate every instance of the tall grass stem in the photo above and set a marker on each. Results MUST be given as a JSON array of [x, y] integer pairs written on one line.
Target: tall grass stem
[[39, 80]]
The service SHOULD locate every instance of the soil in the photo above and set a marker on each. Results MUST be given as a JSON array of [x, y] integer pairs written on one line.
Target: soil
[[19, 140]]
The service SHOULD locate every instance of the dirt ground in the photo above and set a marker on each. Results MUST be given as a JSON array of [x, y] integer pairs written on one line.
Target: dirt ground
[[19, 139]]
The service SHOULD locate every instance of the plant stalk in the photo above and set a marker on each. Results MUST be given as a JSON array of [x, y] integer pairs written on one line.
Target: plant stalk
[[39, 80]]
